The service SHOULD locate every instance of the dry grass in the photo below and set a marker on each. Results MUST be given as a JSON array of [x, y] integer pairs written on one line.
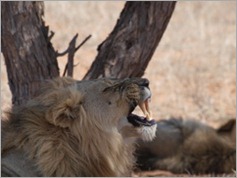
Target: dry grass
[[192, 72]]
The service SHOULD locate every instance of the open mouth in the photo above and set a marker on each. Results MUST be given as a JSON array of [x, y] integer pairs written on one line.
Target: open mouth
[[145, 120], [138, 121], [144, 106]]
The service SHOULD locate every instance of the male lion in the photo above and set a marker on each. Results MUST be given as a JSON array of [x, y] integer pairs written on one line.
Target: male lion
[[77, 128], [188, 146]]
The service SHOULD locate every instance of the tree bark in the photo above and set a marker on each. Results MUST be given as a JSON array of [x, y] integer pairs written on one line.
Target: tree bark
[[128, 49], [30, 57], [28, 53]]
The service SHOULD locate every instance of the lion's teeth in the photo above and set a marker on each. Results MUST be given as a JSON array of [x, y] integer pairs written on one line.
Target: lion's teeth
[[145, 109], [148, 115]]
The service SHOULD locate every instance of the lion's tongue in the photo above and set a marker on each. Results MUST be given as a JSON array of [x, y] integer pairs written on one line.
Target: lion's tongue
[[140, 121], [145, 109]]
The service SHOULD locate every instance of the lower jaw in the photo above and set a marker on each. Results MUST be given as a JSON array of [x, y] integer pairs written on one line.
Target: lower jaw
[[147, 133], [139, 121]]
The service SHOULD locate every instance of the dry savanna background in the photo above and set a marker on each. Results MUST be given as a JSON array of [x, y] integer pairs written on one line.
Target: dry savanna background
[[193, 70]]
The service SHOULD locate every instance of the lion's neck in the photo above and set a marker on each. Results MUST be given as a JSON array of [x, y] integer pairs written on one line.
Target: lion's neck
[[98, 152], [106, 151]]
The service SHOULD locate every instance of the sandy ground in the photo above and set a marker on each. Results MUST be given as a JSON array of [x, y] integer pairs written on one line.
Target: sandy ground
[[192, 72]]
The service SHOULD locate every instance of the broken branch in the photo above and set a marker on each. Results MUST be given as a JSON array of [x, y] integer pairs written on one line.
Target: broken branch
[[71, 50]]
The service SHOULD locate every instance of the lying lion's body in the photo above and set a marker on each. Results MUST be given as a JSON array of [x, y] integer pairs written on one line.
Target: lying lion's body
[[188, 146], [67, 132]]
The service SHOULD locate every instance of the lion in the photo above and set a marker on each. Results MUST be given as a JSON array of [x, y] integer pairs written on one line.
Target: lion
[[77, 128], [189, 146]]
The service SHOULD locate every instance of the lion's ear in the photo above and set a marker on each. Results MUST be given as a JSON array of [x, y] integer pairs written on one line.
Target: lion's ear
[[228, 129], [66, 108]]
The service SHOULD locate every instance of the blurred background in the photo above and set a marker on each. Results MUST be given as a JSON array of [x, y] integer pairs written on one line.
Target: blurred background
[[193, 71]]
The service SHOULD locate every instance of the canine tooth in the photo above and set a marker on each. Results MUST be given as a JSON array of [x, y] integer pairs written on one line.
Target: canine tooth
[[148, 113], [145, 109], [148, 116]]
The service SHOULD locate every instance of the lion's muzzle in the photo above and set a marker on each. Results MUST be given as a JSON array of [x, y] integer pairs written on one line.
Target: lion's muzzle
[[145, 124], [144, 102]]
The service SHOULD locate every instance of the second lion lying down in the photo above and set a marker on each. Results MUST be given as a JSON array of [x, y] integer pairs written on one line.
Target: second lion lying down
[[189, 146], [77, 128]]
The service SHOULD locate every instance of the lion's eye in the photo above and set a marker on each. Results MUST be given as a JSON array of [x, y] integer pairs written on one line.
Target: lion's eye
[[109, 102]]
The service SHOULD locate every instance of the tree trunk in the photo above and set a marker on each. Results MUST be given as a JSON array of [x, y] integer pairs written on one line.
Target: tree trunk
[[29, 55], [129, 48]]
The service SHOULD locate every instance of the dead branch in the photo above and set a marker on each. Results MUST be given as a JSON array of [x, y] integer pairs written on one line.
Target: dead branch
[[71, 50], [82, 43]]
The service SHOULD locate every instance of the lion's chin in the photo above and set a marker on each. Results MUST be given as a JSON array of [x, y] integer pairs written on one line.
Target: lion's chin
[[147, 133], [145, 128]]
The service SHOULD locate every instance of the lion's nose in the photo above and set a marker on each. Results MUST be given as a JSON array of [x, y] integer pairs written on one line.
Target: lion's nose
[[144, 82], [145, 93]]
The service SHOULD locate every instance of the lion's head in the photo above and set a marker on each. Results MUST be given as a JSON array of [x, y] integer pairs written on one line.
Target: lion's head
[[108, 102], [86, 123]]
